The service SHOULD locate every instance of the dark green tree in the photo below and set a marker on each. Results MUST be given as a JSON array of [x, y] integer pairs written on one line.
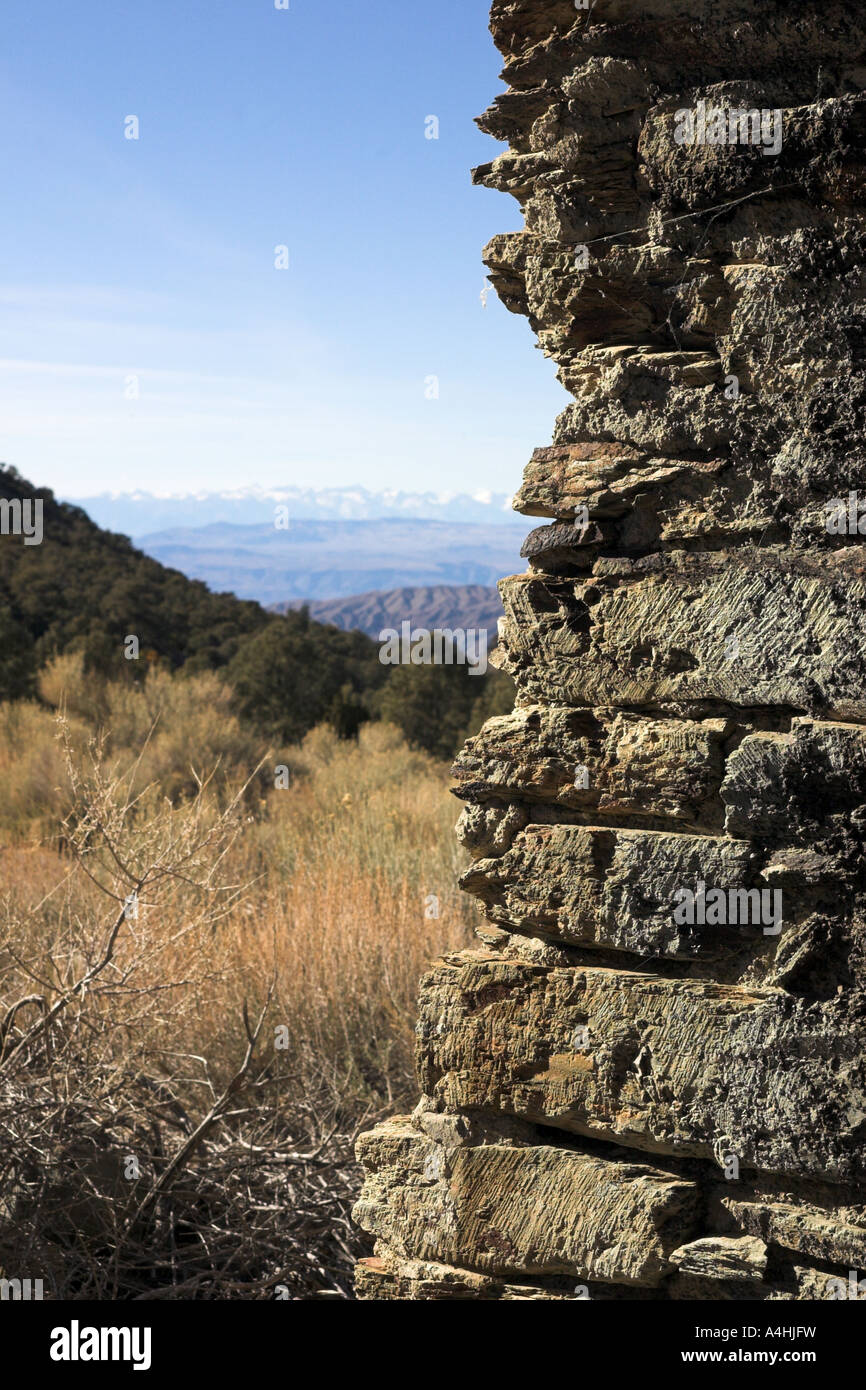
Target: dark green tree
[[295, 673], [17, 659], [437, 707]]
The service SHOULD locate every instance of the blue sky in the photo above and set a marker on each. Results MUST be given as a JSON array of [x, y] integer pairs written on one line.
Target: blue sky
[[147, 266]]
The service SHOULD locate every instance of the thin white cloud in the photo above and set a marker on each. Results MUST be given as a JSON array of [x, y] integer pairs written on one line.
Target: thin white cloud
[[93, 371]]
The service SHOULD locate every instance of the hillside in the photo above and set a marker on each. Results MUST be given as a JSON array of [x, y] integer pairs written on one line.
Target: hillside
[[83, 589], [431, 606], [86, 588]]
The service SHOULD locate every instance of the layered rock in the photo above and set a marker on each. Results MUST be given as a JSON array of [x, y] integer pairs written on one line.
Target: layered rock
[[649, 1081]]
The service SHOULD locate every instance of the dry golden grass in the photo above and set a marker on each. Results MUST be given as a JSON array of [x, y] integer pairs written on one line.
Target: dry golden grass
[[314, 907], [345, 880]]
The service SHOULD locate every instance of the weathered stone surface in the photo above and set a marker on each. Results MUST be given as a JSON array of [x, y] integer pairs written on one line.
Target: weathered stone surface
[[812, 1285], [667, 1066], [592, 886], [540, 1210], [602, 478], [796, 787], [720, 1267], [822, 1225], [689, 651], [729, 629], [613, 763], [743, 1259], [387, 1276]]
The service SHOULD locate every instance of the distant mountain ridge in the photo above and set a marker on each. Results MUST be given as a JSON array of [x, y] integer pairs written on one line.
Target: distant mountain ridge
[[428, 606], [139, 513], [319, 560]]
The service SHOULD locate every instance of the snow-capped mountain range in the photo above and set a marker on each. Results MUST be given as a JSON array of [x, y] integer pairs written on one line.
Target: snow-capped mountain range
[[140, 513]]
